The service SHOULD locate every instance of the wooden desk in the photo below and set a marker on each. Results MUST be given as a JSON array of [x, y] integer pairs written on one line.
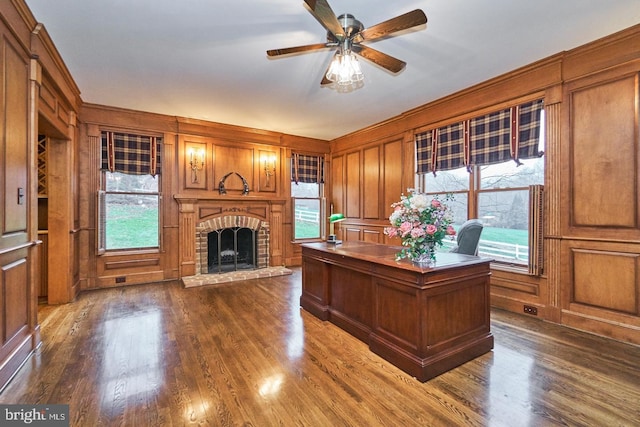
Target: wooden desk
[[424, 321]]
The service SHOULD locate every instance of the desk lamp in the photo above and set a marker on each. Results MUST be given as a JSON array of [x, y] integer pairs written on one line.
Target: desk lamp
[[336, 217]]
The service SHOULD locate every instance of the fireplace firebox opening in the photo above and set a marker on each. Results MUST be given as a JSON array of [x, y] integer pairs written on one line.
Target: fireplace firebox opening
[[231, 249]]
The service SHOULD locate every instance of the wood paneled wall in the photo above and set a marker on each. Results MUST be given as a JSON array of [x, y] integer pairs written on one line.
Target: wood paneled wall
[[32, 104], [18, 252], [591, 274], [601, 229], [229, 151], [366, 182]]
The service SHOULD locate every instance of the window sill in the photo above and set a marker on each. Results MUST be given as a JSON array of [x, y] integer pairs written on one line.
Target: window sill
[[300, 241], [511, 268], [124, 252]]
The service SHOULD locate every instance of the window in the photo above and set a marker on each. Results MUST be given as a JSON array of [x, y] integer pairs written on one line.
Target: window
[[129, 196], [501, 202], [307, 208], [131, 211], [503, 207], [307, 194], [497, 192]]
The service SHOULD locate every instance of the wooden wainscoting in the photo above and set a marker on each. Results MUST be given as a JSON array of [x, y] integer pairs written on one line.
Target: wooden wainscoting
[[603, 295]]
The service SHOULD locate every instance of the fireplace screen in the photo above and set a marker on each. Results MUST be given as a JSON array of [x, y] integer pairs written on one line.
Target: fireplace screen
[[231, 249]]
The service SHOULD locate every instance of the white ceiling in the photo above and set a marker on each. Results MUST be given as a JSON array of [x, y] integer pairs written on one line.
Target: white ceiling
[[206, 59]]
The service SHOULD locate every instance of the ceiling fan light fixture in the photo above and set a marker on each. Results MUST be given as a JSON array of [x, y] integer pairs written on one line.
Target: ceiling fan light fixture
[[345, 70], [347, 33]]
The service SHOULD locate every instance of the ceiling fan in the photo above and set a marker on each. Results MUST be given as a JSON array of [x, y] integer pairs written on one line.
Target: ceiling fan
[[346, 33]]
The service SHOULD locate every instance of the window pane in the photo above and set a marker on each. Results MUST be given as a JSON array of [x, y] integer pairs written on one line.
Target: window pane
[[505, 216], [457, 204], [444, 181], [307, 218], [510, 175], [307, 209], [131, 221], [459, 208], [305, 189], [123, 182]]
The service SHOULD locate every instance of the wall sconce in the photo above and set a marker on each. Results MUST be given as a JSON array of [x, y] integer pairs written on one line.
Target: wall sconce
[[336, 217], [196, 161], [269, 165]]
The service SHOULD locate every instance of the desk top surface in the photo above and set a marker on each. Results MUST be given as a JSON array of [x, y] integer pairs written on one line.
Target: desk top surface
[[386, 255]]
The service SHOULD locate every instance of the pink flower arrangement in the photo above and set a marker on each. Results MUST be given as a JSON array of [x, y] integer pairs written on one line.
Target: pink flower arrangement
[[421, 223]]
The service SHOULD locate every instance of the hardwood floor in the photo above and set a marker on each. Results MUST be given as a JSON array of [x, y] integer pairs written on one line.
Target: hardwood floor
[[244, 353]]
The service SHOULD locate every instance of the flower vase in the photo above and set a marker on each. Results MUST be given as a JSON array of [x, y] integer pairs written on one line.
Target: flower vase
[[426, 258]]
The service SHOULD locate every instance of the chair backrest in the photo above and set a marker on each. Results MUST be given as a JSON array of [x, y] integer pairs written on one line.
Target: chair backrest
[[469, 237]]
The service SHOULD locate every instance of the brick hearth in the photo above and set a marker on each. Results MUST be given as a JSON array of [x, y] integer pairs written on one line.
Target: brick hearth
[[233, 276]]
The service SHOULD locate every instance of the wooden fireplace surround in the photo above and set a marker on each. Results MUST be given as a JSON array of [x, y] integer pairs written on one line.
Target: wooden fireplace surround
[[193, 210]]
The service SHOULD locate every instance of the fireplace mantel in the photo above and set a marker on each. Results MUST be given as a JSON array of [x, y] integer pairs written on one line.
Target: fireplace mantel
[[195, 209]]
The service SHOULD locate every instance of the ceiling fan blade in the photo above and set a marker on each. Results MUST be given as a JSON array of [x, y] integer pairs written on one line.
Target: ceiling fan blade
[[321, 10], [393, 25], [325, 80], [382, 59], [298, 49]]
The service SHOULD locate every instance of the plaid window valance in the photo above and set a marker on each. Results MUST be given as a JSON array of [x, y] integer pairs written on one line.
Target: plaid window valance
[[424, 150], [131, 154], [512, 133], [490, 138], [305, 168], [451, 147], [529, 129]]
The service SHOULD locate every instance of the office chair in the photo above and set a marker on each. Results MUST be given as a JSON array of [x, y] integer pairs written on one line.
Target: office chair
[[469, 237]]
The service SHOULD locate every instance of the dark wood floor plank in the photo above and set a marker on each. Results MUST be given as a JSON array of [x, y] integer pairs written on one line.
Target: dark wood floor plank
[[246, 354]]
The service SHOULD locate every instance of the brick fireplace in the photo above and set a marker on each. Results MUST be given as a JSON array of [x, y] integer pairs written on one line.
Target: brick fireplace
[[203, 214], [216, 224]]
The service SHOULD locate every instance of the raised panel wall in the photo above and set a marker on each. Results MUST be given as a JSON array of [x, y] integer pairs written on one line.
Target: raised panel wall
[[606, 279], [605, 180], [374, 179], [392, 176], [373, 236], [371, 185], [206, 161], [351, 234], [353, 185], [600, 250], [601, 291], [19, 333], [233, 160], [337, 183], [14, 135], [13, 282]]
